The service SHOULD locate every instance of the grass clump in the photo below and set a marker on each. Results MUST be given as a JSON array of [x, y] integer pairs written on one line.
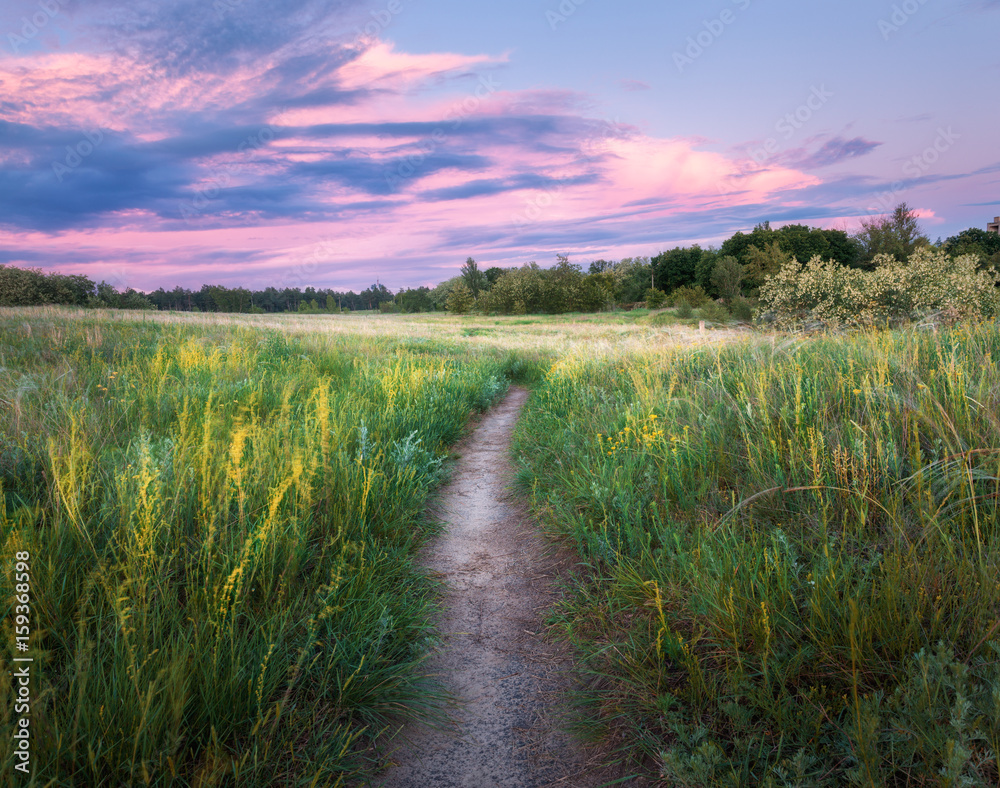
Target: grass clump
[[222, 522], [793, 554]]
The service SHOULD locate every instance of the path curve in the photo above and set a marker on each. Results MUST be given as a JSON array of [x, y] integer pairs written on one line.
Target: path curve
[[509, 682]]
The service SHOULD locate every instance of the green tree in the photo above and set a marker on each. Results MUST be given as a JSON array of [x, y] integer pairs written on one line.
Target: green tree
[[632, 279], [804, 243], [460, 299], [605, 284], [20, 286], [676, 268], [727, 278], [492, 274], [896, 234], [439, 295], [655, 298], [738, 245], [133, 299], [418, 300], [474, 279], [62, 289], [703, 270], [762, 262], [563, 283], [519, 291], [984, 245], [374, 295], [798, 240], [106, 296]]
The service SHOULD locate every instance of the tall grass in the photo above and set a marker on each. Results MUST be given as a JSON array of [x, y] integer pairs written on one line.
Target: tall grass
[[222, 523], [792, 547], [793, 554]]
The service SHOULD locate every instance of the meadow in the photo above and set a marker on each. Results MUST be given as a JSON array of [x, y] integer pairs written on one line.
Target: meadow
[[788, 545], [221, 522], [792, 555]]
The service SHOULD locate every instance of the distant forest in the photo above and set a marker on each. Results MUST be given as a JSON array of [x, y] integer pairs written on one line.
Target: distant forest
[[733, 272]]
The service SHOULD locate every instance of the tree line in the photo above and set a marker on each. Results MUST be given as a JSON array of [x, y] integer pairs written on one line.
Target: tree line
[[733, 273], [33, 287], [216, 298]]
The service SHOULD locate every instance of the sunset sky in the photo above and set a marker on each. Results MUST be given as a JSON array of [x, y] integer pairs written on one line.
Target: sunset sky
[[332, 143]]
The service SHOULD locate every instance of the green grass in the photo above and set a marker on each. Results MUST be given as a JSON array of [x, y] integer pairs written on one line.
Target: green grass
[[789, 546], [792, 555], [222, 523]]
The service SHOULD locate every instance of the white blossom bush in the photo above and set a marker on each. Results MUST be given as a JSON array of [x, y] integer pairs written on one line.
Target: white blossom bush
[[929, 282]]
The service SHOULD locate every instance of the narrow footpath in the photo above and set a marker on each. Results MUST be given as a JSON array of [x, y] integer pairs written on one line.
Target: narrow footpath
[[508, 681]]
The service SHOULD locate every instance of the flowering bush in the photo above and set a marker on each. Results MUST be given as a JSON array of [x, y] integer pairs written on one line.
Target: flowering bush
[[930, 281]]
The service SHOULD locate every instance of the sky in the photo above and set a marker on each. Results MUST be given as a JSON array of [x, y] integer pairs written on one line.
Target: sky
[[335, 143]]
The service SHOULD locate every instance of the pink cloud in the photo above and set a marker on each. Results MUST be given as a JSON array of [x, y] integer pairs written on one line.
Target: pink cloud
[[381, 66], [575, 170]]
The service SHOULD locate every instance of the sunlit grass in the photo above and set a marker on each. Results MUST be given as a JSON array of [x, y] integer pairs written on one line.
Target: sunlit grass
[[222, 522], [790, 545], [793, 553]]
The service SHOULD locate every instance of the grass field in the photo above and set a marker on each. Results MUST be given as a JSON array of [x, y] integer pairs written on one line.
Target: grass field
[[530, 336], [789, 546], [221, 522], [793, 555]]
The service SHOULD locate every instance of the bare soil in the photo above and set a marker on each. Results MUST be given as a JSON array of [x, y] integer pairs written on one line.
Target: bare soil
[[507, 726]]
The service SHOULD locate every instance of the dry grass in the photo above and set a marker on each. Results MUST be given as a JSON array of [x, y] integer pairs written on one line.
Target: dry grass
[[604, 333]]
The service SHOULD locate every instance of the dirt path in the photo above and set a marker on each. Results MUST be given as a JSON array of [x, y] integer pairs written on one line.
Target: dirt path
[[508, 681]]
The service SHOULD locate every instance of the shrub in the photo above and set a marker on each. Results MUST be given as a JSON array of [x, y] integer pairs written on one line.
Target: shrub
[[655, 298], [683, 309], [929, 282], [695, 296], [661, 319], [714, 312], [742, 308]]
